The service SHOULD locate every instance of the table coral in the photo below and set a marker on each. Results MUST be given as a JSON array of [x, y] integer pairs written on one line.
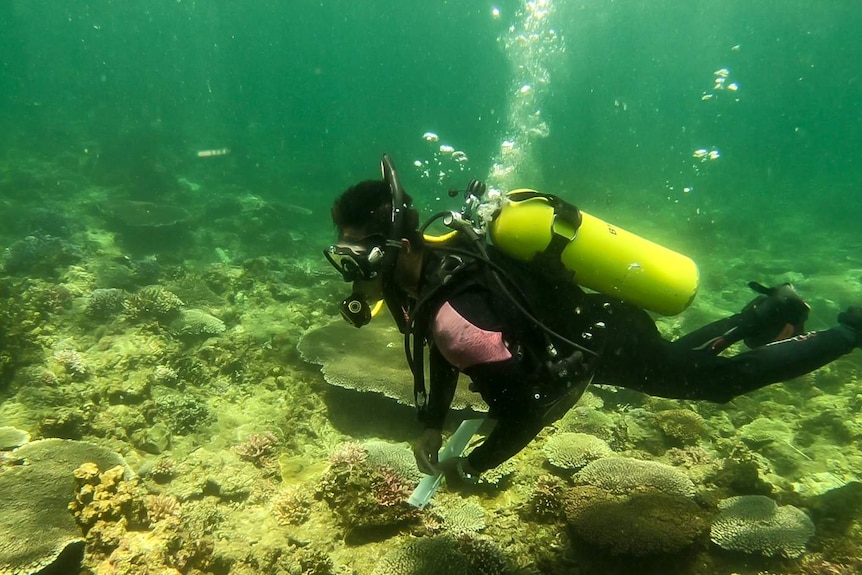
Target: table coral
[[35, 526], [572, 451], [756, 524], [623, 475]]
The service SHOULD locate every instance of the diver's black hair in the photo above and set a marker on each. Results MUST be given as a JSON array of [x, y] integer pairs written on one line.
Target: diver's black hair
[[368, 204]]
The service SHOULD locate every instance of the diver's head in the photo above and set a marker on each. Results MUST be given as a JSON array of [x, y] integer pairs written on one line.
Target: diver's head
[[368, 241], [379, 244]]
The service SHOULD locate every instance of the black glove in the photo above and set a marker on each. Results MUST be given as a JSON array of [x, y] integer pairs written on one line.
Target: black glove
[[851, 322], [426, 448], [779, 313]]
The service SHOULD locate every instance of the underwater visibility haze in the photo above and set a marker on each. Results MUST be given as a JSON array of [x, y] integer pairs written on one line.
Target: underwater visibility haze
[[178, 393]]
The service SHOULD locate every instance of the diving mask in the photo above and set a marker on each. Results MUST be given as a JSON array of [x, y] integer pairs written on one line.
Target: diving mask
[[359, 261]]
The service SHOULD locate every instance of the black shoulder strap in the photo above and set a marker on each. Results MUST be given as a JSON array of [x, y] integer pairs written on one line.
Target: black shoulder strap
[[436, 280]]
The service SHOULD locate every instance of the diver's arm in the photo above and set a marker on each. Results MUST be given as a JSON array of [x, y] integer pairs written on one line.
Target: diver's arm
[[505, 387], [444, 380]]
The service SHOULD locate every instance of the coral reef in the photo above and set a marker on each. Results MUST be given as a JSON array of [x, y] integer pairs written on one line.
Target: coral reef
[[349, 454], [682, 427], [162, 508], [182, 413], [35, 526], [643, 524], [105, 303], [105, 506], [756, 524], [130, 531], [444, 555], [176, 345], [162, 469], [292, 505], [259, 448], [584, 419], [72, 362], [462, 517], [368, 502], [371, 363], [152, 301], [39, 255], [397, 457], [546, 500], [622, 475], [196, 323], [572, 451]]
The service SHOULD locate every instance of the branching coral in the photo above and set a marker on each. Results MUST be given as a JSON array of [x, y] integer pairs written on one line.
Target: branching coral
[[152, 302], [182, 413], [349, 454], [258, 447], [364, 498], [292, 506], [162, 508], [545, 502], [72, 362], [390, 487], [105, 303]]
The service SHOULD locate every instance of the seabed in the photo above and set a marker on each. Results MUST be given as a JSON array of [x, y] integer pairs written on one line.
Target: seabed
[[217, 418]]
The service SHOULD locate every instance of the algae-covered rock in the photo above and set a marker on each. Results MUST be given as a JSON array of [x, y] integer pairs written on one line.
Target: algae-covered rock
[[35, 524], [11, 437]]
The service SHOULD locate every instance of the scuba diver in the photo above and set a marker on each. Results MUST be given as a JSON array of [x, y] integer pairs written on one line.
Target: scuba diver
[[529, 338]]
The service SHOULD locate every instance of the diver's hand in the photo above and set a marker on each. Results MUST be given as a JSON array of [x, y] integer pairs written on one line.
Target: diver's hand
[[778, 313], [425, 450], [458, 473], [851, 322]]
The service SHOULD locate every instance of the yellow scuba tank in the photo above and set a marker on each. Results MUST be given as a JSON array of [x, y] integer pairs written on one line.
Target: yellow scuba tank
[[605, 258]]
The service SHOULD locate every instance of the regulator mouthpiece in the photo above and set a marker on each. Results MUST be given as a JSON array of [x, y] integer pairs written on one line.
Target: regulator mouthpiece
[[355, 310]]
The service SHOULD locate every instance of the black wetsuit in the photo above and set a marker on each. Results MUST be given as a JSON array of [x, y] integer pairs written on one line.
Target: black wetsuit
[[470, 330]]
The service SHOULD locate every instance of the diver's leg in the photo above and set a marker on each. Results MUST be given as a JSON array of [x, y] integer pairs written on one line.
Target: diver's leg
[[635, 356]]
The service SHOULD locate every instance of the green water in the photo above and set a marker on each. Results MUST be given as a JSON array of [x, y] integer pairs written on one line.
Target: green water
[[728, 130]]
